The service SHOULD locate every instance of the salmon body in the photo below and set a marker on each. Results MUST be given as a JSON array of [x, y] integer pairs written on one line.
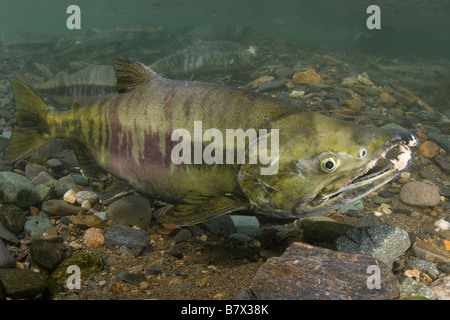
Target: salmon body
[[149, 135]]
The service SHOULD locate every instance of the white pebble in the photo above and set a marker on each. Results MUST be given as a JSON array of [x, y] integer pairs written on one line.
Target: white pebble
[[442, 225], [70, 197]]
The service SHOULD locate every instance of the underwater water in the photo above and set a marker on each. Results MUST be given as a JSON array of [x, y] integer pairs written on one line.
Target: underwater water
[[377, 66]]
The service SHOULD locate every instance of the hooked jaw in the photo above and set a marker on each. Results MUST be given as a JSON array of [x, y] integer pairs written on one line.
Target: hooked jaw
[[386, 165]]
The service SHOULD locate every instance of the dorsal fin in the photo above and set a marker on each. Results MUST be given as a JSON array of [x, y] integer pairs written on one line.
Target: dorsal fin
[[130, 74]]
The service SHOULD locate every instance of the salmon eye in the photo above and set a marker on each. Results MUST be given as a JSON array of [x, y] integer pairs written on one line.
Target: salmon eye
[[328, 165]]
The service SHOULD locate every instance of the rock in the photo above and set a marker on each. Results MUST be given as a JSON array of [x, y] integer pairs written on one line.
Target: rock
[[261, 80], [429, 251], [355, 205], [44, 191], [296, 94], [248, 225], [65, 184], [385, 243], [305, 272], [55, 207], [46, 254], [425, 266], [37, 226], [349, 82], [70, 197], [242, 252], [120, 235], [415, 193], [306, 77], [182, 236], [221, 225], [87, 221], [318, 229], [444, 266], [131, 210], [443, 141], [443, 164], [32, 170], [386, 99], [12, 217], [411, 288], [16, 189], [93, 238], [8, 236], [20, 284], [89, 261], [441, 288], [272, 85], [6, 259], [42, 178], [53, 163], [429, 149], [90, 196]]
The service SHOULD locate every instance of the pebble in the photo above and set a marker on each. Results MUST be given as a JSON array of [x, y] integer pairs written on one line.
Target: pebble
[[443, 141], [416, 193], [319, 229], [441, 288], [131, 210], [425, 266], [296, 94], [355, 205], [32, 170], [12, 217], [6, 259], [306, 77], [93, 238], [429, 149], [83, 196], [296, 275], [89, 261], [411, 288], [17, 189], [37, 226], [22, 284], [87, 221], [70, 197], [8, 236], [44, 191], [429, 251], [46, 254], [248, 225], [55, 207], [183, 235], [221, 225], [42, 178], [261, 80], [442, 225], [385, 243], [120, 235]]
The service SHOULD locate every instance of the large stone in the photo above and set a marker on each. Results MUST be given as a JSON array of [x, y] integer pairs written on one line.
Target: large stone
[[89, 261], [18, 283], [46, 254], [131, 211], [16, 189], [305, 272], [12, 217], [57, 207], [119, 235], [416, 193], [6, 259], [386, 243]]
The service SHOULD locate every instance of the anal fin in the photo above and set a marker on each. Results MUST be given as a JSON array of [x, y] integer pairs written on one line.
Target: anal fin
[[200, 208], [88, 167]]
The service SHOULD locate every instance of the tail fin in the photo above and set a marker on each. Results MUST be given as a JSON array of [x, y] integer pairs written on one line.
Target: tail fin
[[32, 131]]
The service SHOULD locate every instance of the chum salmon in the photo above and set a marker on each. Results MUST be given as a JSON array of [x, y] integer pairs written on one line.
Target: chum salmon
[[321, 163]]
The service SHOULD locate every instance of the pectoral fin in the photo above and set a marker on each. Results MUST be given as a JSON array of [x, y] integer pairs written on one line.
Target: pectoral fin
[[200, 208]]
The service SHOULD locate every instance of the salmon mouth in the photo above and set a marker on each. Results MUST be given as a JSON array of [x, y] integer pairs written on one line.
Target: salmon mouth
[[389, 163]]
